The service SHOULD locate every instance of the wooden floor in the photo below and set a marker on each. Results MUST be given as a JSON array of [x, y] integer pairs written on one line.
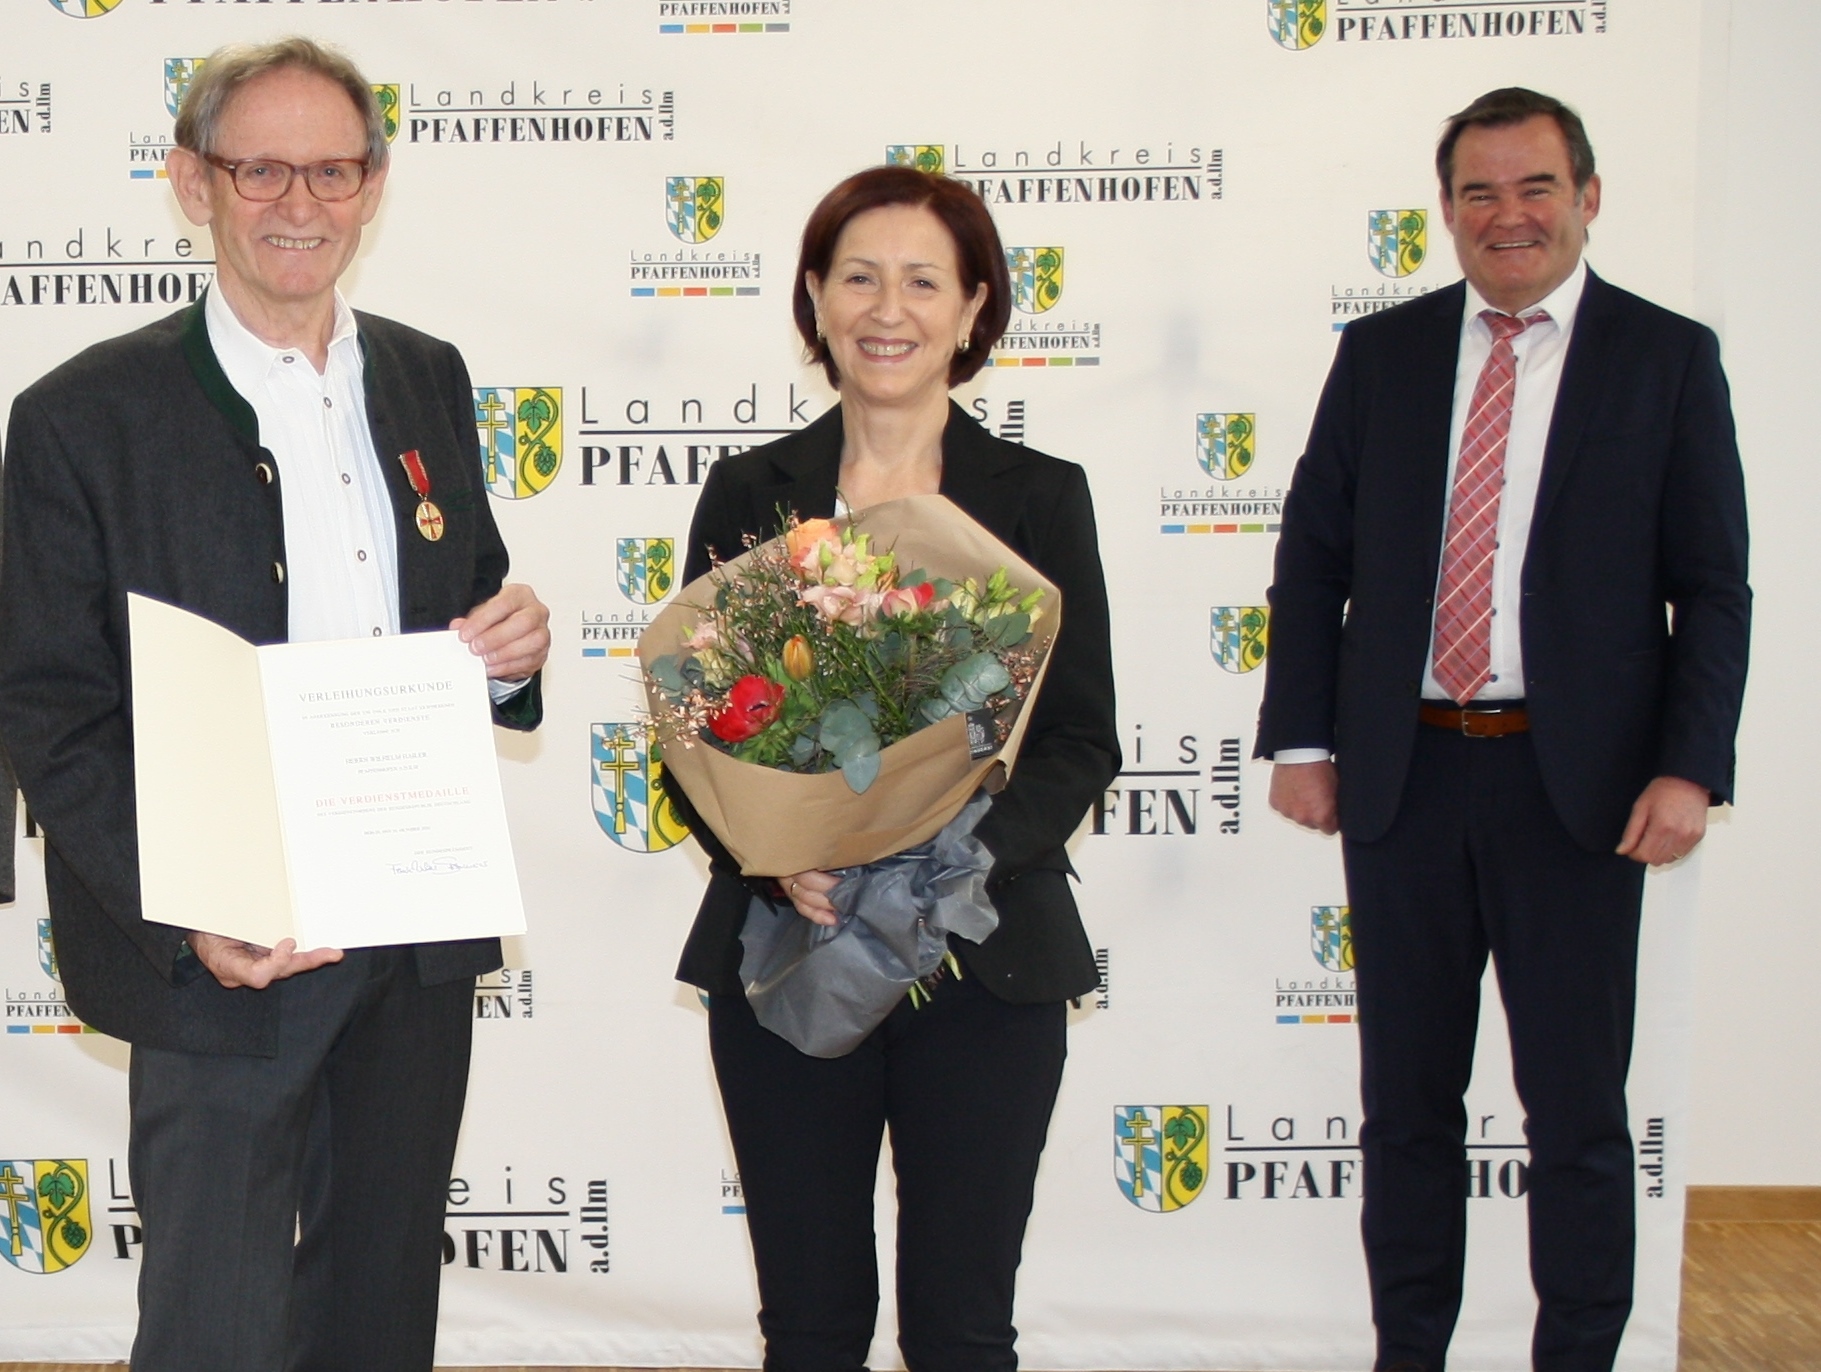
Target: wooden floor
[[1751, 1280], [1751, 1285]]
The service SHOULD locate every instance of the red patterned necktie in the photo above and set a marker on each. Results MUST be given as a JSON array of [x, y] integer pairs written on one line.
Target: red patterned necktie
[[1463, 609]]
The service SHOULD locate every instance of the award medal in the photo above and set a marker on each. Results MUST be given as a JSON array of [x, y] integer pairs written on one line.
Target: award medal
[[429, 518]]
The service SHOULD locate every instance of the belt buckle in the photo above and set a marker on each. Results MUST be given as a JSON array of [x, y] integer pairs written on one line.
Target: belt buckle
[[1467, 714]]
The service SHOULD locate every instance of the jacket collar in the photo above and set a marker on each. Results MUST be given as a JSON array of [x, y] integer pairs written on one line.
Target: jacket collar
[[1430, 357], [807, 466], [1584, 378], [206, 367]]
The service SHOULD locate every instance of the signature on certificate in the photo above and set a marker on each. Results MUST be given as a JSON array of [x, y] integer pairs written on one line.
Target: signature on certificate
[[418, 866]]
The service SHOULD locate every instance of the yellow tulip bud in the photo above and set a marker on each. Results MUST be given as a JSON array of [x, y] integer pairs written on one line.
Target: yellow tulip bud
[[799, 661]]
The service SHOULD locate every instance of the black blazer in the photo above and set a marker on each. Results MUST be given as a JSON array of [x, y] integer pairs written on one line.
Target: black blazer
[[137, 466], [1039, 506], [1642, 504]]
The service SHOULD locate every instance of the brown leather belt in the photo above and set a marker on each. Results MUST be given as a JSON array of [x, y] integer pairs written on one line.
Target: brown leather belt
[[1475, 723]]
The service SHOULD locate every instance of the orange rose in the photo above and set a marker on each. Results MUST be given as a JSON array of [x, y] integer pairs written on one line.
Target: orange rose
[[805, 543]]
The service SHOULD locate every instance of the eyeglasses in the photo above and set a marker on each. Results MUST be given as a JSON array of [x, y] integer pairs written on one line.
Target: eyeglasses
[[261, 178]]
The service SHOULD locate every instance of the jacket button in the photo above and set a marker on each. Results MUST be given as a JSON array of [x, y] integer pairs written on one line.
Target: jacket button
[[278, 572], [264, 472]]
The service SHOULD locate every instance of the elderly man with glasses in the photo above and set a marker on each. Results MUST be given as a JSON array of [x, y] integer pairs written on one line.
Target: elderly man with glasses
[[294, 471]]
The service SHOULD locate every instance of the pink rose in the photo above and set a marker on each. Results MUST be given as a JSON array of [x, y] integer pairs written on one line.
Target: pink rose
[[841, 604], [906, 600]]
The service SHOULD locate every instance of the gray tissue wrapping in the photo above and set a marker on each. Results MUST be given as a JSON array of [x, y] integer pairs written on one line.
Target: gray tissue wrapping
[[824, 988]]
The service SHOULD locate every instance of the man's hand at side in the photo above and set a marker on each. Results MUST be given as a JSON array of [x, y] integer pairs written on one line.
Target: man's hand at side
[[1669, 819], [1304, 793], [244, 964], [510, 632]]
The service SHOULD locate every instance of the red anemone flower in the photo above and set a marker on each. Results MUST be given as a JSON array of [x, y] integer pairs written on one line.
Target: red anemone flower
[[751, 705]]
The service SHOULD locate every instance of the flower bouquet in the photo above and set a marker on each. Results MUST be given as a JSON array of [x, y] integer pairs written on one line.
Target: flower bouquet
[[837, 694]]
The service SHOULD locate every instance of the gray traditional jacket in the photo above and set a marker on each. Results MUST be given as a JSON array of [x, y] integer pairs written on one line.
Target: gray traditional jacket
[[136, 466]]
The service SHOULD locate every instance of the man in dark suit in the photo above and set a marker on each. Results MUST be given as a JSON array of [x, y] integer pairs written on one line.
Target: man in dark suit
[[1473, 678], [291, 470]]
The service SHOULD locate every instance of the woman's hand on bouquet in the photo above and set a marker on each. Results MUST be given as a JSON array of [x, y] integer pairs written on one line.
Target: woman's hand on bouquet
[[808, 891]]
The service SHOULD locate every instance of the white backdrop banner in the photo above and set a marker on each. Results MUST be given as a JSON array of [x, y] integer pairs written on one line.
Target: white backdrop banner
[[599, 202]]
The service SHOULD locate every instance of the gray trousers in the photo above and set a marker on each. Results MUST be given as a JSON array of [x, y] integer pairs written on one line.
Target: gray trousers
[[293, 1206]]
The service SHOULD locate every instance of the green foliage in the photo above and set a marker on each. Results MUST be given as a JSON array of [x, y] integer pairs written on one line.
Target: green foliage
[[873, 682]]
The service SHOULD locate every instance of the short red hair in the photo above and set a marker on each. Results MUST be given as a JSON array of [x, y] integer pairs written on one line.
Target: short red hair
[[980, 254]]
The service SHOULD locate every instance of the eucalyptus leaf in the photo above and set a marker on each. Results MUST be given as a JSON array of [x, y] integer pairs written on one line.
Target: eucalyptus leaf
[[861, 768], [844, 725], [936, 709], [1008, 631], [869, 705], [802, 749], [669, 676], [968, 684], [916, 576]]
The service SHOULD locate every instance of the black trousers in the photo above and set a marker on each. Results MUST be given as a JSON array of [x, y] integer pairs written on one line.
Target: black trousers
[[1478, 861], [293, 1205], [966, 1085]]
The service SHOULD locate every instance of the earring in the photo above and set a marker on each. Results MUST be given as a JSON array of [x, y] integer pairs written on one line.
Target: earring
[[820, 336], [964, 345]]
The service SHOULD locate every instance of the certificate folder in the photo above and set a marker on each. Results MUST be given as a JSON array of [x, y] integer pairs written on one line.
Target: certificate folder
[[343, 793]]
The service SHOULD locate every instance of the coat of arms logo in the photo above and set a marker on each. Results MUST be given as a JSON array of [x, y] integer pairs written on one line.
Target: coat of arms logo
[[387, 96], [628, 804], [1331, 936], [85, 9], [44, 1213], [521, 438], [925, 157], [645, 568], [1297, 24], [1160, 1154], [1397, 241], [1240, 636], [1036, 278], [694, 206], [47, 951], [1225, 444], [178, 73]]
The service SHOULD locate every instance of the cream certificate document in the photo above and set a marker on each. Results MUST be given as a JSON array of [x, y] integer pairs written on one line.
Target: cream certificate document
[[343, 793]]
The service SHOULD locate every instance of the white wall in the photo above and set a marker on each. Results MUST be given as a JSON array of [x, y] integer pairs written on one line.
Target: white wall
[[1756, 1091]]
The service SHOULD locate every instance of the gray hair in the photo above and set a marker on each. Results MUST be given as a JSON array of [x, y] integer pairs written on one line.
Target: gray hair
[[226, 70]]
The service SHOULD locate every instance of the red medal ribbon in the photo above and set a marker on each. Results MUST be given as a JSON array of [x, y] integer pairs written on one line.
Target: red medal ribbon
[[415, 473]]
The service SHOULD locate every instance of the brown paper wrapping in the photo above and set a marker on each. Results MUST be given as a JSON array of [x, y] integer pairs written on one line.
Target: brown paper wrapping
[[776, 823]]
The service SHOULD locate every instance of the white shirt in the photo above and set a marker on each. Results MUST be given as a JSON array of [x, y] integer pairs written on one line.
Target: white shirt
[[1540, 351], [341, 548], [341, 544]]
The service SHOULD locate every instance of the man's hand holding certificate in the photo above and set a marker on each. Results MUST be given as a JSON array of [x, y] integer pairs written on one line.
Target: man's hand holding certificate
[[338, 794]]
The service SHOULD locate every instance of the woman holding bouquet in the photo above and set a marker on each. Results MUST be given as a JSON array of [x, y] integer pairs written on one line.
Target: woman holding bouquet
[[901, 293]]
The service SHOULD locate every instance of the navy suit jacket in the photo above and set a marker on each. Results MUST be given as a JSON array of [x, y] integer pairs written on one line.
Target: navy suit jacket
[[1039, 506], [137, 466], [1641, 507]]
